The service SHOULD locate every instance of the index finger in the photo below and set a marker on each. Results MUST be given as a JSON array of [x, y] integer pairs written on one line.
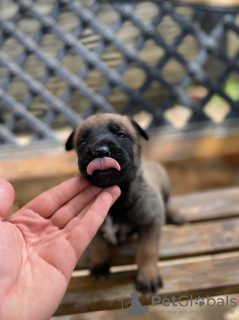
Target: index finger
[[50, 201], [81, 231]]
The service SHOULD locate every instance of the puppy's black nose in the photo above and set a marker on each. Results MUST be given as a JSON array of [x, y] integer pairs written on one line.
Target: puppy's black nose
[[102, 151]]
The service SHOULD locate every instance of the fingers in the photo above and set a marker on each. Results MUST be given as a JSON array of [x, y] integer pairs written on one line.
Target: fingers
[[76, 205], [50, 201], [81, 230], [7, 196]]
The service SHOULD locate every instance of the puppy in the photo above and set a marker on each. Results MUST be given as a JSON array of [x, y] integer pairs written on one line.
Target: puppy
[[108, 149]]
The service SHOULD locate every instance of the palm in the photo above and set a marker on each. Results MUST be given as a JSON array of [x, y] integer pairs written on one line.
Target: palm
[[40, 247]]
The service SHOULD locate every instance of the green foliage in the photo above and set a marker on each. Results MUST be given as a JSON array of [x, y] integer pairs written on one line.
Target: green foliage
[[231, 88]]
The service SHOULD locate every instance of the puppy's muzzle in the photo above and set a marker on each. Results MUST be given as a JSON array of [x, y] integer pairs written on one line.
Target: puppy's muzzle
[[103, 159]]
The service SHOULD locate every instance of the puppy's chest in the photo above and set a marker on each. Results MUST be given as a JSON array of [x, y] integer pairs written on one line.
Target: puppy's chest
[[122, 220], [115, 232]]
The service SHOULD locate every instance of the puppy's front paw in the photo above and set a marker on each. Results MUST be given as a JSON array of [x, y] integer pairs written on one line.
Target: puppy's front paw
[[149, 283], [149, 287], [100, 271]]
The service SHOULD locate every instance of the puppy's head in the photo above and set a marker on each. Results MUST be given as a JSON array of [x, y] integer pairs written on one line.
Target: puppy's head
[[108, 148]]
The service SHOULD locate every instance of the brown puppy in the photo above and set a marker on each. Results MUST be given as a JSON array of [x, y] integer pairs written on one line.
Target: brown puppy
[[108, 148]]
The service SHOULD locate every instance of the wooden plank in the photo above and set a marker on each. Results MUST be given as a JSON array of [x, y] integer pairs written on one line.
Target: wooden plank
[[209, 277], [215, 204], [189, 176], [195, 141], [59, 164], [182, 241]]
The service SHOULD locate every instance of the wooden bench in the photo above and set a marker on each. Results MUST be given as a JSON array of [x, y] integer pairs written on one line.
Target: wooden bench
[[200, 258]]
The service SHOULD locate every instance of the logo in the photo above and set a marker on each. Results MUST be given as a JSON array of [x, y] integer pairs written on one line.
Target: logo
[[131, 306], [187, 301], [198, 302]]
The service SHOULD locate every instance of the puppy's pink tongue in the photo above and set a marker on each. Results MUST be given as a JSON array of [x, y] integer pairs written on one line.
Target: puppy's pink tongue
[[102, 164]]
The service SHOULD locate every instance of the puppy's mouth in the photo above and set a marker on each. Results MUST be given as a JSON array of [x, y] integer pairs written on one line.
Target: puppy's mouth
[[102, 166]]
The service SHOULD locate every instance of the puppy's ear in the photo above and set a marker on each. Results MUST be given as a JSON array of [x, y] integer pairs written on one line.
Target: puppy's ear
[[69, 142], [140, 130]]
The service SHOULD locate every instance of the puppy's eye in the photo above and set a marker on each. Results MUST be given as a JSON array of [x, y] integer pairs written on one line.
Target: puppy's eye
[[120, 135], [82, 143]]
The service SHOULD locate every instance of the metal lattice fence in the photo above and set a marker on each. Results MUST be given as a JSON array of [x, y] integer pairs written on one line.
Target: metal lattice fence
[[62, 60]]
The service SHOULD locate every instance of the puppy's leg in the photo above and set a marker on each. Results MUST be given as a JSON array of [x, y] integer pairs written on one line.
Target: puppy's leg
[[148, 279], [99, 256]]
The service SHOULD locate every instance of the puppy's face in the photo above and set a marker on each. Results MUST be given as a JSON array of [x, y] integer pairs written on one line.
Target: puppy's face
[[108, 148]]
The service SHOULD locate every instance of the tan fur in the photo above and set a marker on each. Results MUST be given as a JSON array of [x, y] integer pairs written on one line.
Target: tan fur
[[155, 175]]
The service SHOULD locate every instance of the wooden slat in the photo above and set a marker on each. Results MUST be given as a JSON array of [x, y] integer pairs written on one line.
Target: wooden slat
[[213, 276], [58, 164], [182, 241], [195, 141], [211, 205], [190, 176]]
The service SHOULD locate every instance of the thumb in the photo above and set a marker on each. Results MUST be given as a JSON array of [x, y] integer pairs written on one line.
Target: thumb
[[7, 196]]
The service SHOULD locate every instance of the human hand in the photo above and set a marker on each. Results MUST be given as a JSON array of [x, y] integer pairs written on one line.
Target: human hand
[[41, 243]]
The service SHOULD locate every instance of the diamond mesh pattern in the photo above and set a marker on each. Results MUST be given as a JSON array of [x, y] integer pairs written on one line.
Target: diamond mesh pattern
[[48, 65]]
